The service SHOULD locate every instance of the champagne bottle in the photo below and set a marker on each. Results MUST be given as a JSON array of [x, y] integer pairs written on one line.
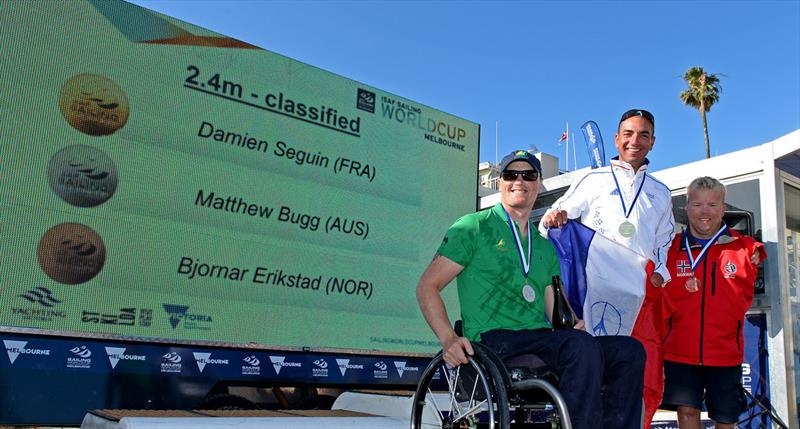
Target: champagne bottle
[[562, 313]]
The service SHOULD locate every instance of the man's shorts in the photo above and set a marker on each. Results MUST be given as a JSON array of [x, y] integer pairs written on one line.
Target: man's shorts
[[686, 384]]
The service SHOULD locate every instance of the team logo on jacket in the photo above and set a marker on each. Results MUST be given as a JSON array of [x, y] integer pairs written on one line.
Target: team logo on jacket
[[729, 270], [501, 246], [684, 269]]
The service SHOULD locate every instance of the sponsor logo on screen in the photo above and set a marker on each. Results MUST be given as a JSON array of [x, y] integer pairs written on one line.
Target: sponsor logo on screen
[[81, 357], [344, 365], [320, 368], [204, 359], [402, 367], [15, 348], [279, 362], [380, 370], [116, 354], [126, 316], [82, 176], [71, 253], [180, 314], [171, 362], [365, 100], [431, 129], [41, 296], [93, 104], [45, 300], [251, 366]]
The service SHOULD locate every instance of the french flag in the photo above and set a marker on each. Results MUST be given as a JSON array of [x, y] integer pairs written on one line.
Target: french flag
[[604, 281]]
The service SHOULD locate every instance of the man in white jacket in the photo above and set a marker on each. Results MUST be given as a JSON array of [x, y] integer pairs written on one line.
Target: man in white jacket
[[629, 206]]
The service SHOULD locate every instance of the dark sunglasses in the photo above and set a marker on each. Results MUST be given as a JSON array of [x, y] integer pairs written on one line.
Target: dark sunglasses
[[638, 112], [527, 175]]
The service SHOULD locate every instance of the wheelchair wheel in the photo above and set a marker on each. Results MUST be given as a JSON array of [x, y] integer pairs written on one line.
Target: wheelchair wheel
[[468, 396]]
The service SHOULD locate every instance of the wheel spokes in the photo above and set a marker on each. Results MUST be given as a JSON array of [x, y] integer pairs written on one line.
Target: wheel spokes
[[467, 403]]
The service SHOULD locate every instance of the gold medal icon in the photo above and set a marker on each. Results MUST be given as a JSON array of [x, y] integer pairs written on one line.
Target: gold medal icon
[[93, 104]]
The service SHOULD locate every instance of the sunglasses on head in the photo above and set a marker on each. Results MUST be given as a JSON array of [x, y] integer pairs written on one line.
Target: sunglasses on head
[[638, 112], [527, 175]]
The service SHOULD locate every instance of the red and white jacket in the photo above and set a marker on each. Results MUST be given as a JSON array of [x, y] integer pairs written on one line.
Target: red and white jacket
[[705, 327]]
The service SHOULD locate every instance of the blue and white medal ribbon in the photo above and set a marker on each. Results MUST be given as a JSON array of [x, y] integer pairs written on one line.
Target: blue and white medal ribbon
[[626, 228], [695, 262], [527, 291], [693, 285]]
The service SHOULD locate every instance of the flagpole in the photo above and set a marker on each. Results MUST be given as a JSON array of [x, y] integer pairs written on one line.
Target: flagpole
[[566, 170], [496, 137], [574, 155]]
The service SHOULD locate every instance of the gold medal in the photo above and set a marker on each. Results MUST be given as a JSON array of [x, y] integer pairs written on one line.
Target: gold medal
[[692, 285], [627, 229]]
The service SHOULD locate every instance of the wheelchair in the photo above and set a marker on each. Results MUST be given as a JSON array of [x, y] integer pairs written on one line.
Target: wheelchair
[[488, 392]]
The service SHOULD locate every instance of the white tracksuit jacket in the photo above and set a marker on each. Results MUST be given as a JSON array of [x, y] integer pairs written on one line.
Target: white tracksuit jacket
[[595, 200]]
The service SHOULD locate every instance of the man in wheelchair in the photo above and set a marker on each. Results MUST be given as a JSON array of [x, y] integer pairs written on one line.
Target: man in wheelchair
[[504, 269]]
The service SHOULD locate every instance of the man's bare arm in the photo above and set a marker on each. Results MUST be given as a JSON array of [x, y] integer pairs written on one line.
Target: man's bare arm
[[439, 274]]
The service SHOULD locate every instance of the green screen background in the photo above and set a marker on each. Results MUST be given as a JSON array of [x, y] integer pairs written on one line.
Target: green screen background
[[151, 221]]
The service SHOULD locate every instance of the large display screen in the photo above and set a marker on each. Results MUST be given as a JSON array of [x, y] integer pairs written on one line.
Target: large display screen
[[161, 181]]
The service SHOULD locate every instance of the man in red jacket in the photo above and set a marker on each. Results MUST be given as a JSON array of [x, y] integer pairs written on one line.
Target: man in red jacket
[[713, 271]]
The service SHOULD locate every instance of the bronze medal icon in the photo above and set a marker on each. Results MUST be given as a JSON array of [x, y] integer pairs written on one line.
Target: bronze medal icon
[[82, 176], [71, 253], [93, 104]]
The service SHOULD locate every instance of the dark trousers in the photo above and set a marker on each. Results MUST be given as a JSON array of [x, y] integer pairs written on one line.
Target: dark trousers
[[600, 378]]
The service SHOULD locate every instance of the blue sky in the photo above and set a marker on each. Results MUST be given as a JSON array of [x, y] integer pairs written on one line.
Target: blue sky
[[533, 66]]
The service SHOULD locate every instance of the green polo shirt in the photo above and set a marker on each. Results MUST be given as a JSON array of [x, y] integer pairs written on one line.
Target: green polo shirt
[[490, 285]]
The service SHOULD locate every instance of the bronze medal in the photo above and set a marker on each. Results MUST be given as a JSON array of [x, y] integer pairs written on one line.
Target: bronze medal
[[692, 285]]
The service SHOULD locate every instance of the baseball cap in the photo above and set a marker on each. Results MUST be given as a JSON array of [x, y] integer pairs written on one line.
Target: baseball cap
[[520, 155]]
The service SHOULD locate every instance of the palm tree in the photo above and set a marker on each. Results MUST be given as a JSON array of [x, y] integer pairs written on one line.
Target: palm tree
[[701, 93]]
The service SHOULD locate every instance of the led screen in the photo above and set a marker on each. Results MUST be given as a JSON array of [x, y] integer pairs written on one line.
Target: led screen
[[161, 181]]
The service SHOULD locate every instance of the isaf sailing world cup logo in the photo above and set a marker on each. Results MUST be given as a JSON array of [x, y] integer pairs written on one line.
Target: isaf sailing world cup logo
[[365, 100], [171, 363], [81, 351], [81, 358], [172, 357]]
